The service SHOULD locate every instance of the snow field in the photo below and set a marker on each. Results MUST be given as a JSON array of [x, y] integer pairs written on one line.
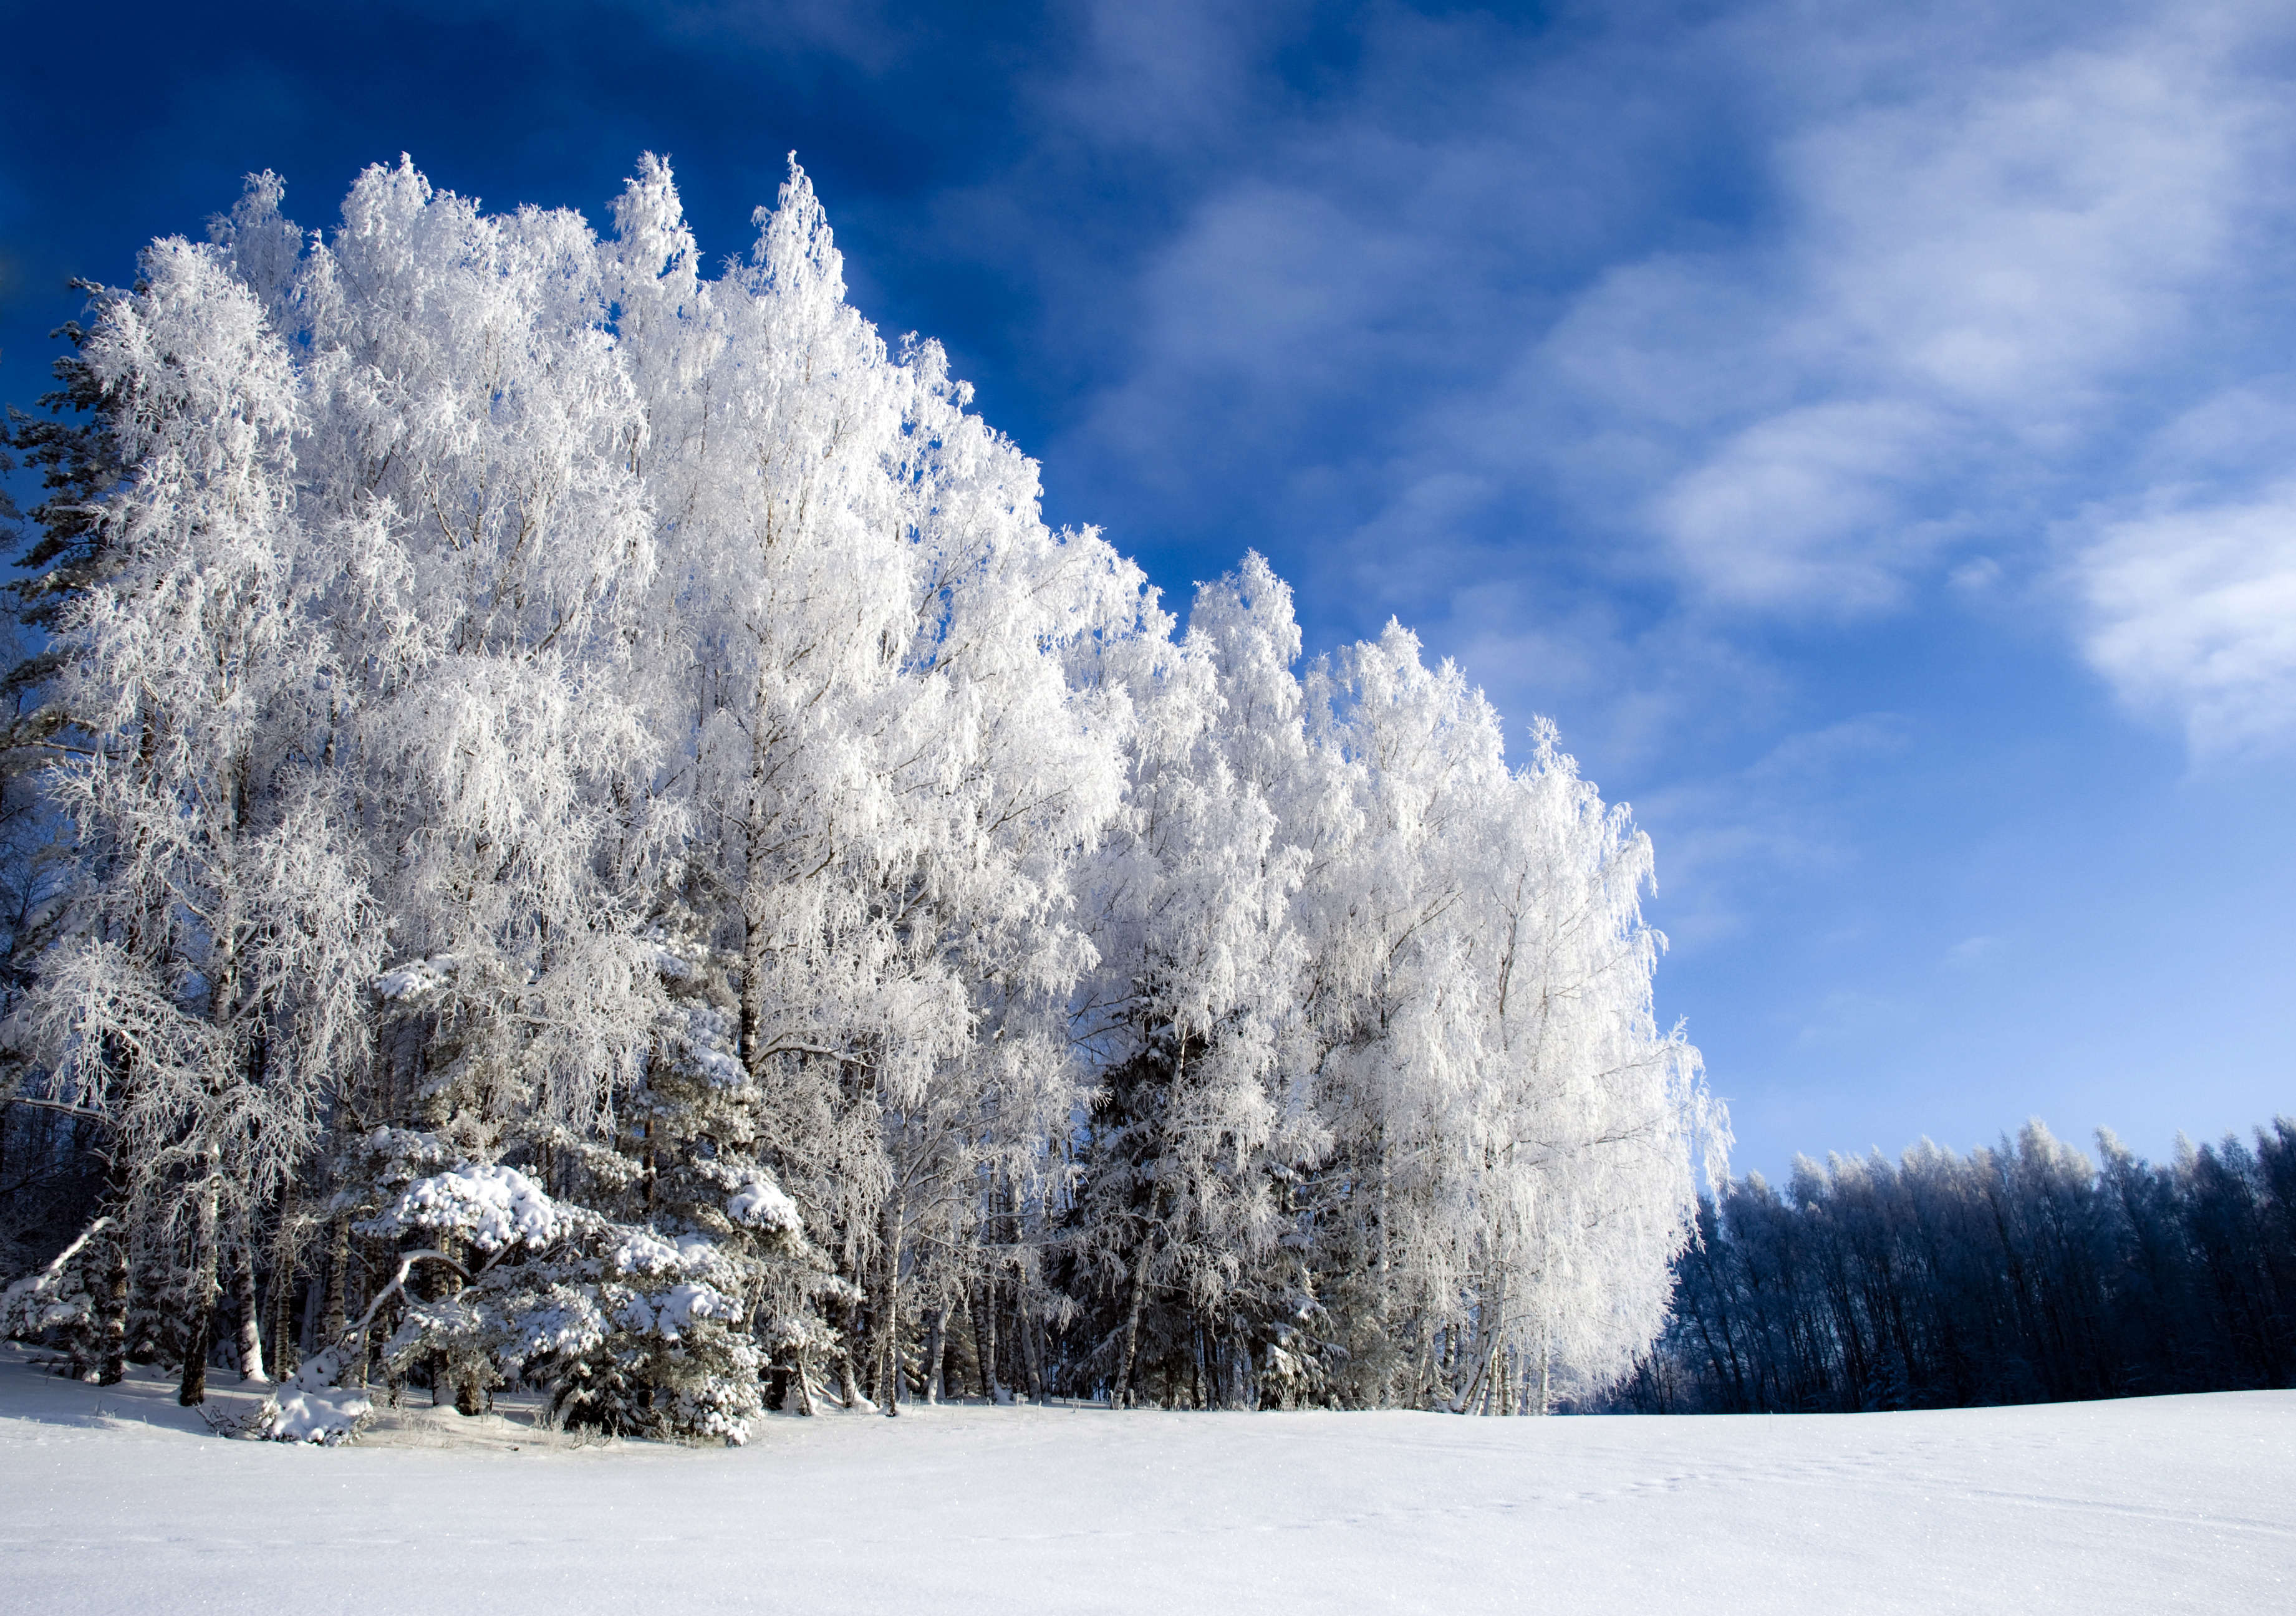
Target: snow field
[[117, 1500]]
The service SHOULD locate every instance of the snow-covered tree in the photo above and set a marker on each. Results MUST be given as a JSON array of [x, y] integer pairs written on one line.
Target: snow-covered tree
[[1184, 1150], [208, 986], [863, 635], [549, 729], [1510, 1172]]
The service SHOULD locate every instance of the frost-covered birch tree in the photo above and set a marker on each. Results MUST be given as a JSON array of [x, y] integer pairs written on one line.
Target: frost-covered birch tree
[[616, 849], [208, 986]]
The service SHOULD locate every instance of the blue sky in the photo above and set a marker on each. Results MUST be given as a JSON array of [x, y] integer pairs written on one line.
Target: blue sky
[[1870, 431]]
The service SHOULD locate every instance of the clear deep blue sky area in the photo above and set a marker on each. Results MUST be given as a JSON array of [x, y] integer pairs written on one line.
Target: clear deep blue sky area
[[1869, 431]]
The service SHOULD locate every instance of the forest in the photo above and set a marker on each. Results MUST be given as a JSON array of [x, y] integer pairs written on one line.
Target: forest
[[2023, 1274], [569, 823]]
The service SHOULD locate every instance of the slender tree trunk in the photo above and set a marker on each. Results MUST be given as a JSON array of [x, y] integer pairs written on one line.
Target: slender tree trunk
[[1032, 1353], [1120, 1395], [749, 1027], [285, 1337], [110, 1364], [204, 1290], [192, 1389], [1463, 1400], [992, 1307], [334, 1314], [936, 1351], [849, 1387], [1490, 1329], [992, 1384], [111, 1314], [470, 1397], [980, 1338], [250, 1314], [315, 1285], [894, 1218], [805, 1380]]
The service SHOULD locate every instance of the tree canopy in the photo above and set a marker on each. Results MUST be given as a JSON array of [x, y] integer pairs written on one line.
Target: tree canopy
[[594, 835]]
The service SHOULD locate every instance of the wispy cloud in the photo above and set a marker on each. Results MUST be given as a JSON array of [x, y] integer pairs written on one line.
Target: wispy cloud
[[1974, 292], [1736, 843], [1971, 951], [1881, 306], [2192, 613]]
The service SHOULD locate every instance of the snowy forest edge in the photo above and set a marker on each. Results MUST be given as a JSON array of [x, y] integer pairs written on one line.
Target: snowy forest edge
[[569, 822]]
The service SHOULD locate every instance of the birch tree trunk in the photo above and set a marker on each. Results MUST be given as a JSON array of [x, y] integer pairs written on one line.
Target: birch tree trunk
[[1490, 1325], [1120, 1394], [971, 1301], [205, 1289], [192, 1389], [111, 1317], [805, 1381], [849, 1385], [936, 1352], [284, 1352], [891, 1378], [1032, 1354], [250, 1314], [985, 1323]]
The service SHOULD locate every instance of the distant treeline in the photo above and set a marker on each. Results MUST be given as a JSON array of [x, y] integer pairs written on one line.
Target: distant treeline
[[2025, 1274]]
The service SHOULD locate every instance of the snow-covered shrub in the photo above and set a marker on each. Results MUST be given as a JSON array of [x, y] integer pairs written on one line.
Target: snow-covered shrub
[[759, 1204], [630, 1330], [57, 1304], [628, 1333], [56, 1299], [675, 1360], [310, 1407]]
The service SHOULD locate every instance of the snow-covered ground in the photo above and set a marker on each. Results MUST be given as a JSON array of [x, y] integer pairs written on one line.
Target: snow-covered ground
[[117, 1500]]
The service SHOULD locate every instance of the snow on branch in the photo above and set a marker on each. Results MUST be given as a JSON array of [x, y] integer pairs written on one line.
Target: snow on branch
[[492, 1207]]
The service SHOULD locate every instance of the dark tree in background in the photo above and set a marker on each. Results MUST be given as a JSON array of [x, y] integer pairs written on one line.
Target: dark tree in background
[[52, 1156], [2018, 1275]]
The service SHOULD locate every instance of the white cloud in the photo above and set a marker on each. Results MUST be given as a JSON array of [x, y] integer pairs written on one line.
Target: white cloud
[[1169, 74], [1797, 314], [1967, 287], [1849, 1016], [2193, 615], [1809, 505], [1976, 576]]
